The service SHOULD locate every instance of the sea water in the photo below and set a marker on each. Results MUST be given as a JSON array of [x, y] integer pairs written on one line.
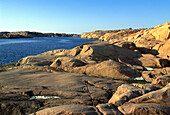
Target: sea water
[[12, 50]]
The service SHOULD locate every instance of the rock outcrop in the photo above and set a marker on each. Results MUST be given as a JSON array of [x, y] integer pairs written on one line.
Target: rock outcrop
[[153, 40], [99, 59], [153, 45], [144, 109], [94, 78], [69, 110], [20, 84]]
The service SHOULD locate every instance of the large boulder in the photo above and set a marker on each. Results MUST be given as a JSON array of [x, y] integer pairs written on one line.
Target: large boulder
[[39, 60], [148, 60], [112, 69], [64, 62], [124, 93], [102, 51], [108, 68], [100, 59]]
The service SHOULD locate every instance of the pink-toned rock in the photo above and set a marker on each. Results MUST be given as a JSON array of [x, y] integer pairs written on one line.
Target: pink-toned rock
[[112, 69], [124, 93], [144, 109], [100, 59], [39, 60], [164, 50], [147, 76], [108, 68], [108, 109], [149, 60], [67, 62], [161, 96], [167, 69], [161, 32], [151, 75], [147, 87], [162, 80], [104, 50], [69, 110]]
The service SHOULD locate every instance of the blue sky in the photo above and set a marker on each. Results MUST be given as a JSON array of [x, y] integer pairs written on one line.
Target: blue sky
[[78, 16]]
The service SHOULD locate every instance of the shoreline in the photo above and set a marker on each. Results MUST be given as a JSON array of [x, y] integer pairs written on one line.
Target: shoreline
[[95, 77], [29, 34], [24, 44]]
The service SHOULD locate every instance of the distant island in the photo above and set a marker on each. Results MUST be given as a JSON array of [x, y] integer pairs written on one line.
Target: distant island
[[28, 34]]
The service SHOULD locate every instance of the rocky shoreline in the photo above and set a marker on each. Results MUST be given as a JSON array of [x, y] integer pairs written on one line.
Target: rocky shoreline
[[27, 34], [93, 78]]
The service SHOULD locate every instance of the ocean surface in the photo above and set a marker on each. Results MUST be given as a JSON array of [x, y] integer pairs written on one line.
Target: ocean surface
[[12, 50]]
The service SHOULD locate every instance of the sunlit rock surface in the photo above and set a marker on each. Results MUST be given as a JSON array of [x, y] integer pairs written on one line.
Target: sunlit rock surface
[[93, 78]]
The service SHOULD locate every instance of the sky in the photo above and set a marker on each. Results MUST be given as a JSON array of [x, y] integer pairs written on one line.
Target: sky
[[78, 16]]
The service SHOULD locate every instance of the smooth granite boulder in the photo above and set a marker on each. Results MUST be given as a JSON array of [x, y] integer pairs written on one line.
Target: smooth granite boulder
[[124, 93]]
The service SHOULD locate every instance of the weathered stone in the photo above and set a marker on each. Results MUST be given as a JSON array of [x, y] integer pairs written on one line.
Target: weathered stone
[[161, 32], [39, 60], [161, 96], [112, 69], [162, 80], [108, 109], [69, 109], [144, 109], [107, 68], [167, 69], [148, 60], [72, 88], [147, 87], [102, 51], [164, 50], [147, 76], [16, 104], [67, 62], [126, 54], [124, 93]]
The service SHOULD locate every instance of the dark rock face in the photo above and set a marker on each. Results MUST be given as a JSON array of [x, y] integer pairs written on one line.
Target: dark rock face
[[27, 34]]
